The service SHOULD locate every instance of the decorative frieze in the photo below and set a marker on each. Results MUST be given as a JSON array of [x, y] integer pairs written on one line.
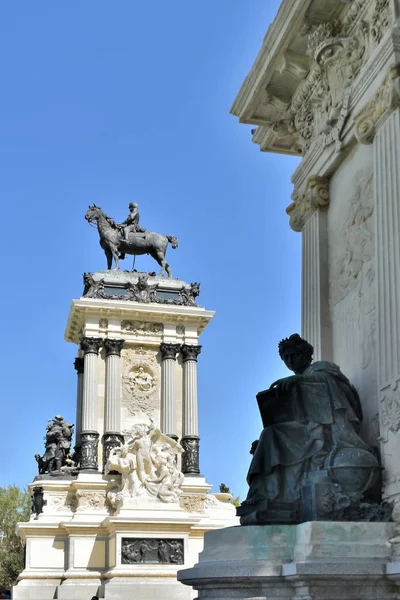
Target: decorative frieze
[[315, 196], [139, 291], [141, 328], [190, 456], [152, 551]]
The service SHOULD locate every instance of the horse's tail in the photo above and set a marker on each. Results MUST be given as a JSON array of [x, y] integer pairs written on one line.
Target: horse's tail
[[173, 240]]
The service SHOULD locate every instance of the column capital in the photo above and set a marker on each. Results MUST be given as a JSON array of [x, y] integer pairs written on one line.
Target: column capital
[[91, 345], [385, 101], [315, 196], [190, 352], [169, 350], [79, 365], [113, 347]]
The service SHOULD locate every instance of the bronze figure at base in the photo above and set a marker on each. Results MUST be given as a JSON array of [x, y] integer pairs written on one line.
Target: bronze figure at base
[[310, 462]]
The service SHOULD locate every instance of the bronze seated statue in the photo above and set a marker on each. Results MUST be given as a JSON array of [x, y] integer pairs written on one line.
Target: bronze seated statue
[[310, 462]]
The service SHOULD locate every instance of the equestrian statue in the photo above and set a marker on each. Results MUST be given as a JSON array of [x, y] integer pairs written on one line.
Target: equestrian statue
[[117, 240]]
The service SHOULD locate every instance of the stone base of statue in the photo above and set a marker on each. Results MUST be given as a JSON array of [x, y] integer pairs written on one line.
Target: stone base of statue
[[312, 560], [80, 546]]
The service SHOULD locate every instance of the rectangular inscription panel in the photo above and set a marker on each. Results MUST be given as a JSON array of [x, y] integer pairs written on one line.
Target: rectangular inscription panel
[[152, 551]]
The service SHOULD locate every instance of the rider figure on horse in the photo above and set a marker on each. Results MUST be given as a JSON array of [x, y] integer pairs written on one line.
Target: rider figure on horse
[[131, 223]]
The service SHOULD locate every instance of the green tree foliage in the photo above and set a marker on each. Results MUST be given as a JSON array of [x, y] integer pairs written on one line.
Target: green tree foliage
[[15, 505], [225, 490]]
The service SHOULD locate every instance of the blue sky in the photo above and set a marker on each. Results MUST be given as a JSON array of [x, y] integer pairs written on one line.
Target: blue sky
[[129, 101]]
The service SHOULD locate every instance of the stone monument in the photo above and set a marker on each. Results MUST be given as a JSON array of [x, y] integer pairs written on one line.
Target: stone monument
[[120, 512], [326, 87]]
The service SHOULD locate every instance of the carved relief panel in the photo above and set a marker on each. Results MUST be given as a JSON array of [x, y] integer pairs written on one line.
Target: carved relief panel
[[140, 384]]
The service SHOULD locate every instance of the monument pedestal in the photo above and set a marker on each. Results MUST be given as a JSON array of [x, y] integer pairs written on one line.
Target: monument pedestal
[[315, 560]]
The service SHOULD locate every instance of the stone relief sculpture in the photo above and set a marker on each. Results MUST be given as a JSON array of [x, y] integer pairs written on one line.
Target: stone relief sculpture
[[148, 466], [128, 238], [310, 462], [151, 550], [141, 328], [140, 381], [57, 460]]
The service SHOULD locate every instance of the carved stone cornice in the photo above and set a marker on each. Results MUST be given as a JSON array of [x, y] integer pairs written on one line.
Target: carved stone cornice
[[79, 365], [91, 345], [386, 99], [113, 347], [169, 351], [309, 61], [316, 196], [190, 352]]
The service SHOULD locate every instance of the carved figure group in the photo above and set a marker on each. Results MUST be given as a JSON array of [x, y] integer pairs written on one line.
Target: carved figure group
[[163, 551], [129, 238], [148, 464], [58, 439]]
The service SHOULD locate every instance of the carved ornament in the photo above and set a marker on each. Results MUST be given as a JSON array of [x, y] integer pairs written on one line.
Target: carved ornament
[[169, 351], [190, 352], [91, 345], [316, 196], [113, 347], [140, 381], [141, 328], [386, 99]]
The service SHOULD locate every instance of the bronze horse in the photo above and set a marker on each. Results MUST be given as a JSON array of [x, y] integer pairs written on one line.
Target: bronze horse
[[114, 244]]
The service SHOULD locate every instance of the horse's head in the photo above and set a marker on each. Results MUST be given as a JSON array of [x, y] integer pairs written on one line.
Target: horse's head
[[93, 213]]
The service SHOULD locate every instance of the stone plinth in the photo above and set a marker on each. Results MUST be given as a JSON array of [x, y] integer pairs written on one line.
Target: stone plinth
[[311, 560]]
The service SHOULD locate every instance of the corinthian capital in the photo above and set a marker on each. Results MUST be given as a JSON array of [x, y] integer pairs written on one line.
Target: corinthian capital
[[190, 352], [316, 196], [91, 345], [113, 347], [169, 350]]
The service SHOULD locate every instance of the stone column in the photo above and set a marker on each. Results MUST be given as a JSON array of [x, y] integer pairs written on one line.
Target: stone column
[[112, 420], [308, 214], [379, 124], [89, 434], [168, 388], [315, 318], [79, 366], [190, 439]]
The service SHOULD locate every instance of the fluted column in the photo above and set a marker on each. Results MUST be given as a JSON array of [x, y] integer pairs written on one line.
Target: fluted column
[[79, 366], [168, 388], [112, 419], [190, 439], [89, 434], [386, 153], [309, 214]]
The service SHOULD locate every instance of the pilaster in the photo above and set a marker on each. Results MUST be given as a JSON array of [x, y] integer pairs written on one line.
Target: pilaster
[[387, 227]]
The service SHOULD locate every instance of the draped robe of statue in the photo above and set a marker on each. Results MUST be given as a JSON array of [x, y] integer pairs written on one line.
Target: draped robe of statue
[[320, 414]]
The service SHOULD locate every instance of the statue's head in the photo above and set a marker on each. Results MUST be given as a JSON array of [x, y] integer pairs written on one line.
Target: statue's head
[[296, 353], [132, 205], [92, 213]]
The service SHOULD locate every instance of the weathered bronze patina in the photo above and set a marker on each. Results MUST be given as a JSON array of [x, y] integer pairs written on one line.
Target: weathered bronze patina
[[310, 461]]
